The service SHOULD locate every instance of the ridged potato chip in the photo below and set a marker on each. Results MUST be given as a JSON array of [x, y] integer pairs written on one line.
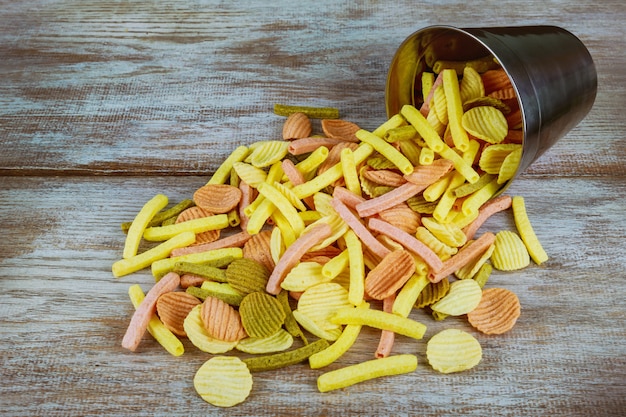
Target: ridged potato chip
[[297, 125], [279, 341], [340, 129], [266, 153], [320, 303], [440, 105], [196, 213], [471, 86], [493, 156], [510, 253], [497, 312], [217, 198], [448, 233], [173, 307], [509, 166], [487, 101], [453, 350], [251, 175], [221, 320], [258, 248], [402, 217], [390, 274], [247, 275], [432, 293], [315, 329], [469, 270], [200, 338], [462, 298], [304, 276], [486, 123], [223, 381], [262, 315], [441, 249]]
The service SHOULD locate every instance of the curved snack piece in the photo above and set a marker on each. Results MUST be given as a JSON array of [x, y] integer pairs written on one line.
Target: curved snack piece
[[173, 307], [510, 253], [217, 198], [497, 311], [277, 342], [389, 275], [223, 381], [280, 360], [261, 314], [200, 338], [139, 224], [375, 368], [522, 222], [462, 298], [221, 320]]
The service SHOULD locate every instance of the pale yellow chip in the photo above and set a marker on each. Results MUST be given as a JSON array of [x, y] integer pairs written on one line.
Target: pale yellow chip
[[322, 301], [462, 298], [277, 342], [509, 166], [493, 157], [304, 276], [469, 270], [453, 350], [510, 253], [441, 249], [471, 86], [486, 123], [267, 153], [448, 233], [200, 338], [251, 175], [223, 381], [440, 105], [315, 329], [337, 225]]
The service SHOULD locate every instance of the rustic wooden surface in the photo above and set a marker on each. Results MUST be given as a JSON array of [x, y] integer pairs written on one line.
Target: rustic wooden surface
[[105, 103]]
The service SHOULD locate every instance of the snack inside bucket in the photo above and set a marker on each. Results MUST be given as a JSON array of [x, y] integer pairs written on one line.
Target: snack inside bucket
[[550, 69]]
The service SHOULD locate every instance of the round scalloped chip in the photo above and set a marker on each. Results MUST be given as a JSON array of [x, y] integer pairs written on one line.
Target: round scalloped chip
[[262, 315], [247, 275], [197, 213], [453, 350], [448, 233], [251, 175], [510, 253], [279, 341], [462, 298], [200, 338], [304, 276], [493, 156], [221, 320], [173, 307], [320, 303], [469, 270], [315, 329], [509, 165], [440, 105], [223, 381], [393, 271], [337, 225], [297, 126], [258, 248], [322, 202], [471, 86], [497, 312], [432, 293], [267, 153], [217, 198], [486, 123]]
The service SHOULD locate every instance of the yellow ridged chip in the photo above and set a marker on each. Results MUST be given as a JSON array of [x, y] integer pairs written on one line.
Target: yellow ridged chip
[[440, 105], [470, 269], [223, 381], [262, 315], [486, 123], [462, 298], [497, 312], [251, 175], [441, 249], [471, 86], [453, 350], [315, 329], [448, 233], [510, 253], [493, 156], [432, 293], [200, 338], [266, 153], [279, 341], [304, 276], [509, 166], [320, 303], [247, 275], [337, 225]]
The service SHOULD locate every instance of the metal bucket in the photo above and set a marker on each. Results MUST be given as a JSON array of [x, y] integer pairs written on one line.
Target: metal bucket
[[551, 70]]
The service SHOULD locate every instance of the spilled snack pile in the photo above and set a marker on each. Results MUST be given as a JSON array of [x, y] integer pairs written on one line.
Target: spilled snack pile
[[352, 227]]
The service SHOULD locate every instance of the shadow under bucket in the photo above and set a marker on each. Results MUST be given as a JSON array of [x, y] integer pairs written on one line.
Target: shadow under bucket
[[551, 71]]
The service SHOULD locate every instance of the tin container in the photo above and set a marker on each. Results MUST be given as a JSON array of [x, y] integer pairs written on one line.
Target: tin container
[[551, 71]]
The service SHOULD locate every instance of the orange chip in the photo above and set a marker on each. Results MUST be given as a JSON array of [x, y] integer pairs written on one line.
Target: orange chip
[[403, 217], [173, 308], [340, 129], [297, 126], [384, 177], [497, 311], [390, 274], [258, 248], [217, 198], [221, 320]]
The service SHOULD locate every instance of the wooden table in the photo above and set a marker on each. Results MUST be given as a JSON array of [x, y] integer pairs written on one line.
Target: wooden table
[[105, 104]]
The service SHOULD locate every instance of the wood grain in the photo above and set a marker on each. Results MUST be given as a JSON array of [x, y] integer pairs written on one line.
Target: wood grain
[[105, 104]]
